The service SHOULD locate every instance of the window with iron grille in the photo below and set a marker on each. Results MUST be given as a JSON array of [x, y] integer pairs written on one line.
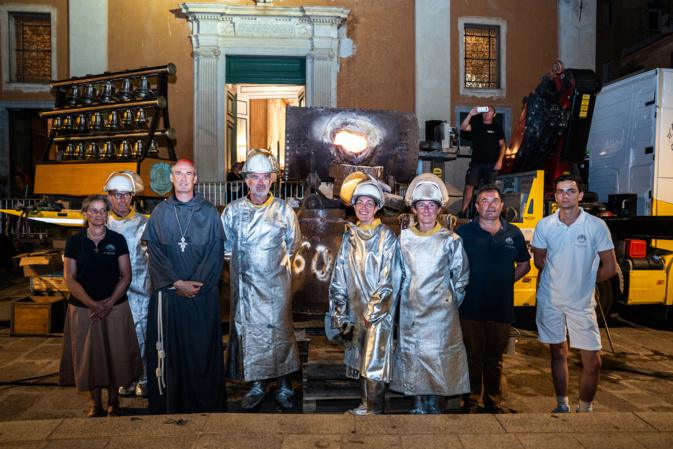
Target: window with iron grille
[[482, 56], [31, 49]]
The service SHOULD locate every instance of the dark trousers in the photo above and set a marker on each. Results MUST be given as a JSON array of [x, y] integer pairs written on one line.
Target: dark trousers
[[485, 343]]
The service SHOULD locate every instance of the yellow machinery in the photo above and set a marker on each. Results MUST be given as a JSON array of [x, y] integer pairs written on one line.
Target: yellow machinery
[[641, 245]]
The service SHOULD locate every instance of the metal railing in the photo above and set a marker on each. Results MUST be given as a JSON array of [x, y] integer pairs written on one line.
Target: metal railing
[[18, 228], [223, 193]]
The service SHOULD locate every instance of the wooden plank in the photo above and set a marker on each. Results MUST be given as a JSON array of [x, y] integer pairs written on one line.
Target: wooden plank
[[76, 178], [81, 178], [48, 284]]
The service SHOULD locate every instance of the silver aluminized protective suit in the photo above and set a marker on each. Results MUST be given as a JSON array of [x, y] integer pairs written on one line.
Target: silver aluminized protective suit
[[260, 242], [430, 358], [132, 227], [364, 289]]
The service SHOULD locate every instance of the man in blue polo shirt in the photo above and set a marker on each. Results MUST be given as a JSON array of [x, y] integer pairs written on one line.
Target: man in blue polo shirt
[[498, 258]]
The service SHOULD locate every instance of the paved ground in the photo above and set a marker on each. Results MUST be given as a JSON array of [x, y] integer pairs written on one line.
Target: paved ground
[[634, 406], [536, 431]]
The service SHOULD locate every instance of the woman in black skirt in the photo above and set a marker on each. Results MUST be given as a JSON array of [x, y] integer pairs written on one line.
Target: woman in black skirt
[[100, 348]]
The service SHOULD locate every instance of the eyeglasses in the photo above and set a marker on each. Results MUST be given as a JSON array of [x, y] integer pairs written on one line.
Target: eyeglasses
[[97, 211], [561, 192], [120, 195]]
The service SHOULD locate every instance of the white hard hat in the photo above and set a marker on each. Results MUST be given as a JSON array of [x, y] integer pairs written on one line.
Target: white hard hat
[[427, 187], [124, 181], [357, 184], [260, 161], [371, 189]]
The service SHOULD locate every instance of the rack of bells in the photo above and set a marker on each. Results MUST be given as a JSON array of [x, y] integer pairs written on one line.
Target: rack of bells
[[104, 123]]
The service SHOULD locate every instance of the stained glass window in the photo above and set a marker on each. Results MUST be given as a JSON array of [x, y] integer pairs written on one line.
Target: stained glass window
[[31, 59], [482, 61]]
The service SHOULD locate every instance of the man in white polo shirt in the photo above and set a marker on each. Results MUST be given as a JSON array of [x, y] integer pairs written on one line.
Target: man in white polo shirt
[[573, 250]]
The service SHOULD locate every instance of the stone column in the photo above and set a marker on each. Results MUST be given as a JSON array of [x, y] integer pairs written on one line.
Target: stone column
[[323, 78], [208, 144], [88, 36], [433, 61], [577, 33], [324, 55]]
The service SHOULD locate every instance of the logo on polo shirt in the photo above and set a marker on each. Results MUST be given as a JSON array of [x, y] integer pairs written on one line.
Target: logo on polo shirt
[[581, 239], [509, 241], [109, 249]]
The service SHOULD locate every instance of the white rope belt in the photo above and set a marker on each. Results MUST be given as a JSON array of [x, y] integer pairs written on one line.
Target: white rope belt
[[161, 354]]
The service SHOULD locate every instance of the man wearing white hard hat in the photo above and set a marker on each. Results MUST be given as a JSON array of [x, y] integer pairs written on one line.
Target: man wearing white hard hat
[[430, 359], [262, 236], [363, 292], [121, 188]]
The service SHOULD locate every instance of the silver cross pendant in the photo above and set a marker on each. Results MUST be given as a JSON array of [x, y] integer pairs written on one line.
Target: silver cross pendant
[[182, 244]]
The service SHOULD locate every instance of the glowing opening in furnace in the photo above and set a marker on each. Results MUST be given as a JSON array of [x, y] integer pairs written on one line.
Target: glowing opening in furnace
[[350, 141]]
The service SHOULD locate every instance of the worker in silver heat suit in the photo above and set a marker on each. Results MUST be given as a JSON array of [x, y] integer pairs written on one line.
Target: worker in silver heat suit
[[262, 236], [121, 188], [363, 292], [430, 359]]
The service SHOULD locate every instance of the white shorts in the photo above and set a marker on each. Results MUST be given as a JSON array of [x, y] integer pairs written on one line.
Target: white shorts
[[554, 322]]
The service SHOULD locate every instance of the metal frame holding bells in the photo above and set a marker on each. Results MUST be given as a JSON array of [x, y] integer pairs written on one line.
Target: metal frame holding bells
[[98, 121]]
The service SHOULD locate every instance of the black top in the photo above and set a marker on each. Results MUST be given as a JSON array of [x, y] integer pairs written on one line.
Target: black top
[[485, 138], [490, 293], [97, 267]]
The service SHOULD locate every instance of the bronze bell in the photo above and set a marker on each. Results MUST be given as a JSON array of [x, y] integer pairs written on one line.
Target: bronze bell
[[60, 151], [57, 123], [80, 122], [108, 150], [126, 91], [153, 149], [73, 95], [127, 118], [92, 151], [138, 147], [140, 118], [112, 121], [143, 91], [107, 92], [95, 121], [123, 150], [88, 95], [79, 150], [69, 151], [67, 122]]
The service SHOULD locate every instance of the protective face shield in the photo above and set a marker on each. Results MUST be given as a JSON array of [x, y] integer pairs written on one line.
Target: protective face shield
[[427, 187], [124, 181], [260, 161], [359, 184]]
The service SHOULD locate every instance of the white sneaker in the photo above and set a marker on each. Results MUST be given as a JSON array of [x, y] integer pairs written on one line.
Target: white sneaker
[[561, 409], [129, 391], [141, 389]]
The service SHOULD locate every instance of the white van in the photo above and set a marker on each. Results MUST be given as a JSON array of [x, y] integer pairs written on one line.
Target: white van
[[630, 144]]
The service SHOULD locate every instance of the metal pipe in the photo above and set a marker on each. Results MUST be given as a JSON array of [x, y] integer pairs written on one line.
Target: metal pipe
[[168, 133], [135, 73], [159, 102]]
